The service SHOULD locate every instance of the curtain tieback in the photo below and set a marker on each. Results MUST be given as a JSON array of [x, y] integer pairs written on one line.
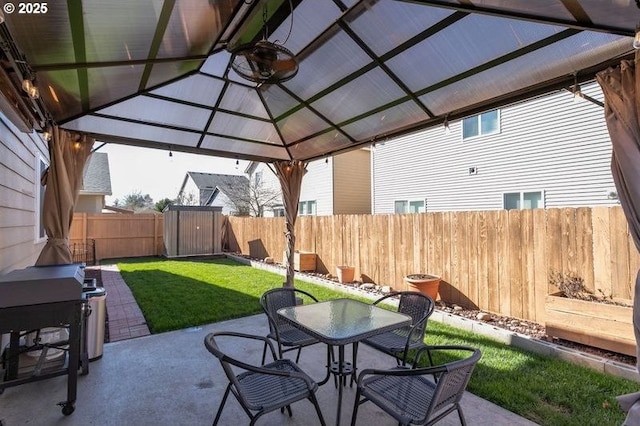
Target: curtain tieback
[[58, 241]]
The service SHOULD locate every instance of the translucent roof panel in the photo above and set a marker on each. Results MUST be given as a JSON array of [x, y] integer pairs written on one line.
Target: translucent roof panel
[[161, 73], [118, 129], [384, 121], [363, 94], [552, 61], [320, 145], [244, 100], [158, 73], [336, 58], [198, 89], [160, 111], [475, 39], [301, 124], [193, 27], [113, 40], [278, 101], [309, 20], [243, 128], [216, 64], [112, 81], [231, 146], [400, 24]]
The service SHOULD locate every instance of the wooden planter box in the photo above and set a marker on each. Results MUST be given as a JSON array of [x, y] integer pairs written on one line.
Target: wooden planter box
[[302, 261], [601, 325]]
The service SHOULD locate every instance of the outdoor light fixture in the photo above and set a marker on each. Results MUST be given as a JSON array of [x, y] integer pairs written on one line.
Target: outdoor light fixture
[[447, 129], [30, 88], [577, 92], [636, 39]]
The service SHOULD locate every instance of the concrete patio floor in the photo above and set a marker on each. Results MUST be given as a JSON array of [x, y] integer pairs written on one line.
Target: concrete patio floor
[[171, 379]]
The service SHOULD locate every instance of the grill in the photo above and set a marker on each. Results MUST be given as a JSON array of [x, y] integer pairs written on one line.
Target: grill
[[35, 298]]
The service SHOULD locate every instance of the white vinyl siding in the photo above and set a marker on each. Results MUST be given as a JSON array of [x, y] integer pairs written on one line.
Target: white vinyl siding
[[317, 185], [19, 194], [549, 143]]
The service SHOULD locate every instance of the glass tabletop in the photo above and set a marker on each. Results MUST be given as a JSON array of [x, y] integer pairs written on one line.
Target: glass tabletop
[[343, 321]]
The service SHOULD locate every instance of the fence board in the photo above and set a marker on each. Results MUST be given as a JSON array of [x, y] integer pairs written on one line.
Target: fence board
[[498, 261]]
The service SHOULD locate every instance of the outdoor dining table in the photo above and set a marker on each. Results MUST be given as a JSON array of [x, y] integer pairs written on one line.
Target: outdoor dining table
[[338, 323]]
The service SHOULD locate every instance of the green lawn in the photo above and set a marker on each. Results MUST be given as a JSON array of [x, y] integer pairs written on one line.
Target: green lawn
[[175, 294]]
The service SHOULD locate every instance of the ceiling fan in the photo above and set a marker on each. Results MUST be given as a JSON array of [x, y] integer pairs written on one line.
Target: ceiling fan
[[265, 62]]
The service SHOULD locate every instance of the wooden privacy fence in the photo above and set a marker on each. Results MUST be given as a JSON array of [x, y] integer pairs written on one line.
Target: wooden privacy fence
[[497, 261], [119, 235]]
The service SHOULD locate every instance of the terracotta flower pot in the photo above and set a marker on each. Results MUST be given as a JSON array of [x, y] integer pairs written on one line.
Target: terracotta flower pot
[[345, 274], [424, 283]]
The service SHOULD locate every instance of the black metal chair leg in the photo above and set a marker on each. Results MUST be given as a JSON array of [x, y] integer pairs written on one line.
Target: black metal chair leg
[[224, 400], [314, 401]]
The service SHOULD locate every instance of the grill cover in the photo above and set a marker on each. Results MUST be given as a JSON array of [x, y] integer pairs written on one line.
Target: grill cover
[[41, 284]]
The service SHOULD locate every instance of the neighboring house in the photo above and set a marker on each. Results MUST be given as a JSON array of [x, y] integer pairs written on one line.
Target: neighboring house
[[337, 185], [215, 190], [547, 152], [23, 159], [96, 184]]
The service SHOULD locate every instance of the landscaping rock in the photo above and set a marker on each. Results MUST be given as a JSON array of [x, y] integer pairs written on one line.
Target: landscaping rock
[[269, 260], [385, 289], [483, 316]]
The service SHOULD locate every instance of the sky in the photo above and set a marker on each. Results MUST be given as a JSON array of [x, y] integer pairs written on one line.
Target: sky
[[154, 172]]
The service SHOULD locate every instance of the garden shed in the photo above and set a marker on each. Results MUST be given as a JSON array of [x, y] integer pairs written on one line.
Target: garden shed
[[192, 230]]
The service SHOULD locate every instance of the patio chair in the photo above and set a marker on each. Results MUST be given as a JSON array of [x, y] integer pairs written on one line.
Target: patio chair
[[260, 390], [412, 396], [399, 342], [284, 334]]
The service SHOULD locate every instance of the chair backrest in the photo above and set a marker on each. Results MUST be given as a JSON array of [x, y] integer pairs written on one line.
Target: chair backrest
[[212, 346], [453, 380], [417, 305], [279, 298], [227, 361]]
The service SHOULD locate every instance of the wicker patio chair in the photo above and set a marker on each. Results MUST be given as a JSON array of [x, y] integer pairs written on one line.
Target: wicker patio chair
[[260, 390], [284, 334], [399, 342], [411, 396]]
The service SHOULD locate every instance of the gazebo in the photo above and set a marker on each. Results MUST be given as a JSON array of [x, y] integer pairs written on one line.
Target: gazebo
[[286, 82]]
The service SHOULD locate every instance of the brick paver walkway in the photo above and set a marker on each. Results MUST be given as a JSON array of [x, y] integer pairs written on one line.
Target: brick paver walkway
[[125, 318]]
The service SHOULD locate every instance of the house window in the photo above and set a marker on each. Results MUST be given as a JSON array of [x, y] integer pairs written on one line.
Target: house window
[[482, 124], [522, 200], [40, 168], [307, 208], [278, 211], [258, 178], [409, 206]]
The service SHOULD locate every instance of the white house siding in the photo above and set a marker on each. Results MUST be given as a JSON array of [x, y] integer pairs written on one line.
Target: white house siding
[[352, 182], [19, 188], [317, 185], [549, 144]]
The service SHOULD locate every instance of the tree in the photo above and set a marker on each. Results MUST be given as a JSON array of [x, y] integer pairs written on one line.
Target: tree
[[136, 201], [252, 199], [160, 205], [187, 199]]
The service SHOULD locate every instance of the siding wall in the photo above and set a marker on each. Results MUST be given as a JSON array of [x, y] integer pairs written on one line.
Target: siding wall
[[317, 185], [89, 204], [19, 186], [352, 177], [550, 143]]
